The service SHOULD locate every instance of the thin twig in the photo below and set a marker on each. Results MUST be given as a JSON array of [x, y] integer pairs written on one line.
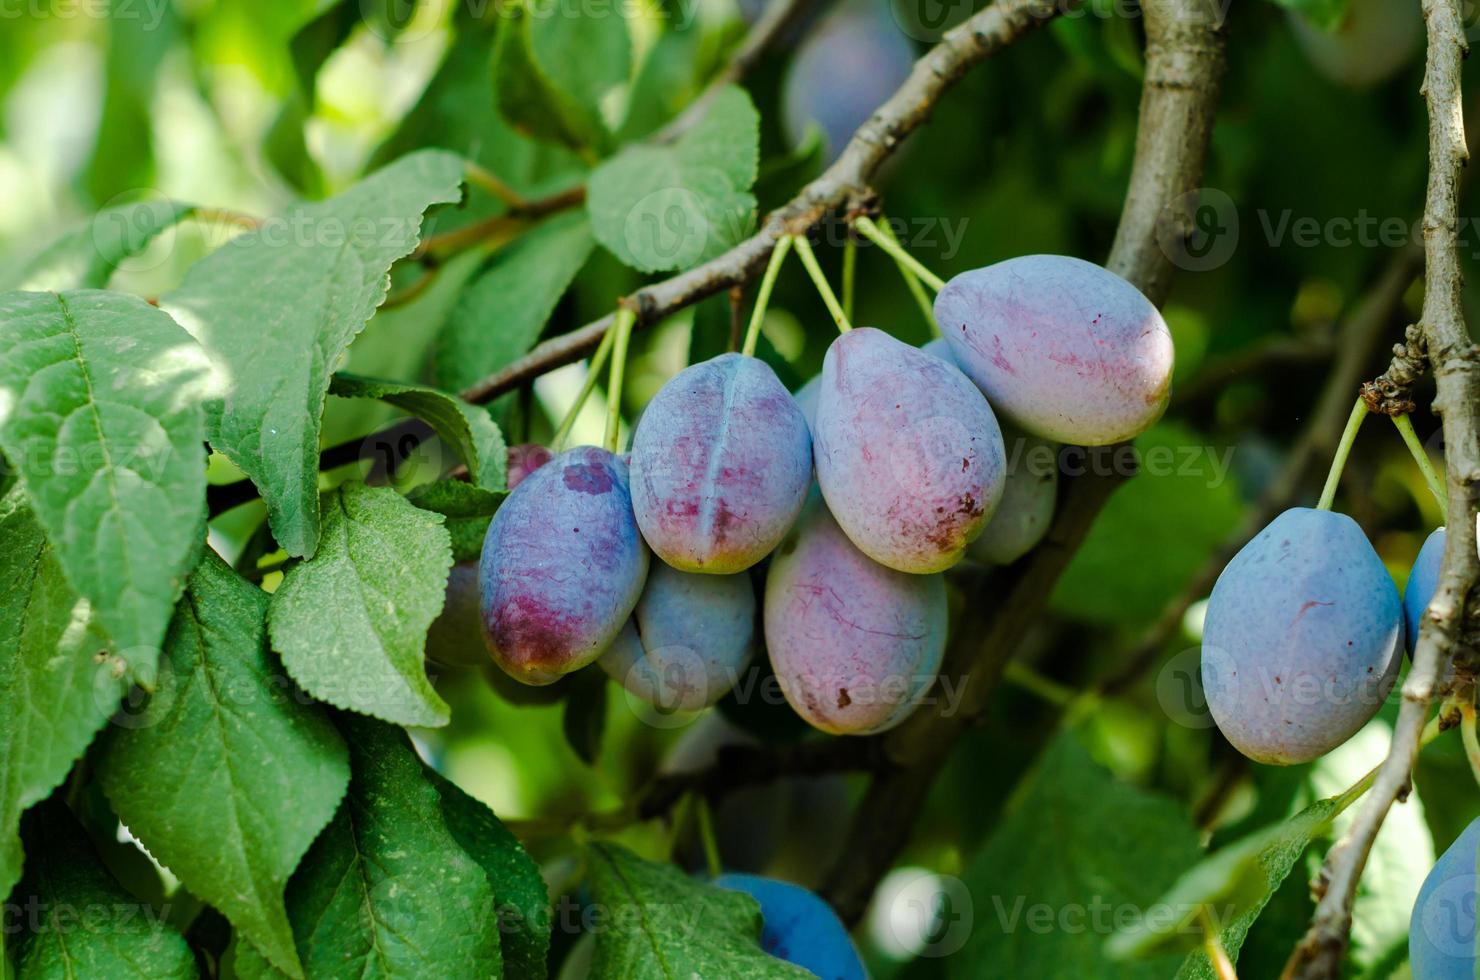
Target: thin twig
[[1456, 367], [846, 181]]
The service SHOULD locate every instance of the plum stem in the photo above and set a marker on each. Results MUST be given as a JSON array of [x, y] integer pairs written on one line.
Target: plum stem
[[763, 295], [850, 274], [705, 819], [907, 262], [1410, 438], [809, 259], [1343, 450], [593, 374], [1467, 735], [1223, 967], [623, 330], [911, 279], [493, 184]]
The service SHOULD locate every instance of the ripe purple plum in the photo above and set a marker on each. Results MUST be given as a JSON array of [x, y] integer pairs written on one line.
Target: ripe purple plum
[[562, 567], [524, 459], [909, 455], [721, 462], [687, 641], [1026, 510], [855, 645], [1301, 642], [454, 638], [1441, 931], [853, 61], [1374, 40], [806, 399], [1063, 348]]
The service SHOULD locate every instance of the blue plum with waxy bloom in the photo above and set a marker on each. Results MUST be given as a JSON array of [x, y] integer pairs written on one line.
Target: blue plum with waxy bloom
[[1441, 932], [1302, 638], [854, 59], [687, 641], [562, 566], [799, 927], [909, 455], [1063, 348], [1422, 581], [721, 462]]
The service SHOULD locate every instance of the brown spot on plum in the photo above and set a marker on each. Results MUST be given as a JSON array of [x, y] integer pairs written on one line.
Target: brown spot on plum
[[843, 699]]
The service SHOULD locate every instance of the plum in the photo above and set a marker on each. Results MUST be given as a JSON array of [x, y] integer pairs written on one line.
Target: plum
[[799, 927], [687, 641], [909, 455], [1301, 642], [854, 59], [1441, 932], [806, 399], [524, 459], [562, 567], [454, 638], [1422, 581], [1061, 347], [721, 462], [1374, 40], [1026, 510], [855, 645]]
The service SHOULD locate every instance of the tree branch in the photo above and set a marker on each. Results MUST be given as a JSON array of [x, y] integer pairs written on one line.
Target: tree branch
[[1184, 65], [842, 185], [1456, 366]]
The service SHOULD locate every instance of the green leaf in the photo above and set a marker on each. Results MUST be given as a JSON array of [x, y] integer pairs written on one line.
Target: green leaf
[[88, 925], [502, 312], [468, 427], [100, 413], [386, 891], [55, 689], [523, 900], [553, 70], [122, 151], [1075, 850], [265, 771], [1233, 884], [1180, 507], [660, 208], [277, 307], [85, 256], [457, 112], [1237, 882], [1326, 14], [467, 508], [351, 622], [664, 925], [583, 719]]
